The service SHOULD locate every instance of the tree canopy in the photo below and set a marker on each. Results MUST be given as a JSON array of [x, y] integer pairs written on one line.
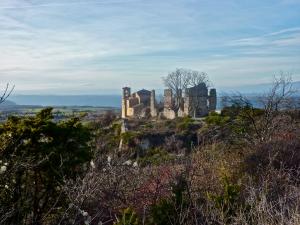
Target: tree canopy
[[36, 155], [180, 79]]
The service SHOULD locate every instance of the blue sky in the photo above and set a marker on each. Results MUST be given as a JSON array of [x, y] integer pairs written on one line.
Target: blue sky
[[98, 46]]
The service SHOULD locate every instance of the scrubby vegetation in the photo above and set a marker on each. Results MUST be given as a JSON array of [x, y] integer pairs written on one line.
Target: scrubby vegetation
[[240, 166]]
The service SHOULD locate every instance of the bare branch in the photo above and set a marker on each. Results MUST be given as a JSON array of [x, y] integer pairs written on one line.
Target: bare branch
[[180, 79], [7, 92]]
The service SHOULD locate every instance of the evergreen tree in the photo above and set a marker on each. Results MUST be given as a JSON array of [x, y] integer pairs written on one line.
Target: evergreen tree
[[36, 155]]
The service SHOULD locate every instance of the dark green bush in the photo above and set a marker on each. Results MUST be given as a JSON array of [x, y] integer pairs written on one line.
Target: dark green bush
[[155, 156], [129, 136], [128, 217], [228, 201], [168, 211], [217, 119], [39, 154], [185, 123]]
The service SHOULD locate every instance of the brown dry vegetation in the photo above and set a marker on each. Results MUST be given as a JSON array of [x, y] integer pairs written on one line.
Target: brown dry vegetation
[[240, 167]]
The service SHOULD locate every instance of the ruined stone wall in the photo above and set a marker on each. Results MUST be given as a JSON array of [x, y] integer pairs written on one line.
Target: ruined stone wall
[[132, 102], [187, 103], [169, 114], [144, 99], [196, 101], [153, 109], [168, 99], [201, 107], [212, 100], [130, 112], [138, 110], [124, 109], [125, 96]]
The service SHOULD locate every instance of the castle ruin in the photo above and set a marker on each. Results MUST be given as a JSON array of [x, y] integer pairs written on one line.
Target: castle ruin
[[197, 102]]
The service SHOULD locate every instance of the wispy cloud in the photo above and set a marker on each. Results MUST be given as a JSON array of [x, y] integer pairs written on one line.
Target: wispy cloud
[[283, 37], [109, 43], [19, 4], [284, 31]]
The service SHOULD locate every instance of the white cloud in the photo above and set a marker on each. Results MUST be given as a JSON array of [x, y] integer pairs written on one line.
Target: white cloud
[[97, 45], [283, 38]]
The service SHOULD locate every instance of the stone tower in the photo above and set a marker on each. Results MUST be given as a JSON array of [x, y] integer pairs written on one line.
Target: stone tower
[[153, 110], [187, 102], [125, 96], [196, 101], [212, 100], [168, 112], [168, 99]]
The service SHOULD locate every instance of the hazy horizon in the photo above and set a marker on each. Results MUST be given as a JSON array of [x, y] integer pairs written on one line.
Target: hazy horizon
[[114, 99], [97, 46]]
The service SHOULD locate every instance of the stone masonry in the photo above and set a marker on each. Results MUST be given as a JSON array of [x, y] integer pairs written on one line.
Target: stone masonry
[[198, 101]]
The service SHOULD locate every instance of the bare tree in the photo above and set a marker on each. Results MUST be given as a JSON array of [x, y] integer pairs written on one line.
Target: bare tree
[[275, 105], [177, 81], [7, 92], [180, 79], [276, 102], [279, 97], [197, 78]]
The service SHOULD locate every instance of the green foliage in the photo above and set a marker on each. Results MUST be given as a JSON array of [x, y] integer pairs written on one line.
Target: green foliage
[[129, 136], [185, 123], [231, 111], [227, 202], [217, 119], [117, 128], [162, 213], [246, 122], [149, 126], [129, 217], [155, 156], [167, 212], [237, 110], [170, 124], [106, 138], [39, 154]]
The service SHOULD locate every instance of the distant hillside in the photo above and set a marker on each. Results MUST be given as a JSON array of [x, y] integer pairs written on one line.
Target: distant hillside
[[8, 103], [115, 100], [255, 89], [68, 100]]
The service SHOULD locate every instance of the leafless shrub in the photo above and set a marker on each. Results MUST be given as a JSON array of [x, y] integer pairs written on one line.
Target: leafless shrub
[[113, 186], [277, 154], [271, 196], [274, 200], [278, 104], [7, 92], [279, 96]]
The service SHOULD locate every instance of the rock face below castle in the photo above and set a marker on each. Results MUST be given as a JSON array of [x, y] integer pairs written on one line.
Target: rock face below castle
[[197, 101]]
